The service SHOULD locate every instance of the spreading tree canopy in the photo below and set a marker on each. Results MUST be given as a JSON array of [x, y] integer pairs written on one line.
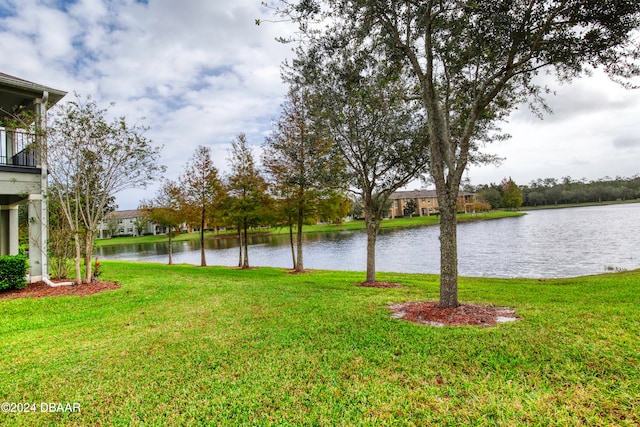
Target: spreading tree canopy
[[374, 125], [89, 159], [472, 63]]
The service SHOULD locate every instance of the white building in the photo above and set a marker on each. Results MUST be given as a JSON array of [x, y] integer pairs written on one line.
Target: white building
[[23, 174], [127, 223]]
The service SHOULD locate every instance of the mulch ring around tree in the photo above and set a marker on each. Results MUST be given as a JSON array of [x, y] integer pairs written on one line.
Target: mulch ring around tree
[[428, 313], [41, 289], [299, 271], [378, 285]]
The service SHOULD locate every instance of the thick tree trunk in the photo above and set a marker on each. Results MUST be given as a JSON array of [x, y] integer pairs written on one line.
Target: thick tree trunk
[[371, 254], [373, 226], [203, 259], [448, 252]]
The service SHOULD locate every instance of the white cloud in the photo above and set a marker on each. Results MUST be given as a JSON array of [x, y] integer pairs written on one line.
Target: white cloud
[[201, 72], [588, 135]]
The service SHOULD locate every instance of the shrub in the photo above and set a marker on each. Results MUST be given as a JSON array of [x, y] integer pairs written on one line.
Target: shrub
[[13, 272]]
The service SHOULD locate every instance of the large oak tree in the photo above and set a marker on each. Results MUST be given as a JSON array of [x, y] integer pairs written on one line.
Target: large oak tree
[[472, 63]]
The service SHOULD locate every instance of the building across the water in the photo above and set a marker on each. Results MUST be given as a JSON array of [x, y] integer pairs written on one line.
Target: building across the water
[[127, 223], [425, 203], [132, 222]]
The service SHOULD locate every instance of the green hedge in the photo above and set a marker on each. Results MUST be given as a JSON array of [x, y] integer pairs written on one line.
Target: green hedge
[[13, 272]]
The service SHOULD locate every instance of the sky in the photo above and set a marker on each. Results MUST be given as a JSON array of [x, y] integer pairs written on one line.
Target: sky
[[199, 72]]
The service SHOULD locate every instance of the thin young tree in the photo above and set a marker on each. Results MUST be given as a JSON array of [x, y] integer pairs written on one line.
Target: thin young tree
[[202, 191], [285, 211], [89, 160], [247, 190], [60, 240], [300, 161], [140, 224], [473, 63], [165, 210], [112, 225]]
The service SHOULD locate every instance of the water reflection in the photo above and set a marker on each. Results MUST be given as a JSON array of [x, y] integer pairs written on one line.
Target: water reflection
[[550, 243]]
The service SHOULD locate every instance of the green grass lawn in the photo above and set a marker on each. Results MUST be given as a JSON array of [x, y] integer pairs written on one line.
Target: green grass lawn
[[319, 228], [185, 345]]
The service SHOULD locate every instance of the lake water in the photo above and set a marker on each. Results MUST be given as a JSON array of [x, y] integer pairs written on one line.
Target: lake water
[[541, 244]]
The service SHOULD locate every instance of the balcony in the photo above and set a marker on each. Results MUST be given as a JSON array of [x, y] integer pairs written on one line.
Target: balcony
[[16, 151]]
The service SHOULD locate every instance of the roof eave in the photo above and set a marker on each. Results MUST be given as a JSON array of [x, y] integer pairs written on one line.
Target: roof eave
[[30, 88]]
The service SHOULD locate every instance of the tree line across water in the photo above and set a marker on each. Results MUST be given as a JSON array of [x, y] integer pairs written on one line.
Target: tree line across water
[[552, 191]]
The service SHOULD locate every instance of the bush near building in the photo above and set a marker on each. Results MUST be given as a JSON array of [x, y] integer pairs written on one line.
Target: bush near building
[[13, 272]]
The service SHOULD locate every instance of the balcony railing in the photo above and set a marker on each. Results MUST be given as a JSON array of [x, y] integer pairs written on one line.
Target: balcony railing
[[16, 148]]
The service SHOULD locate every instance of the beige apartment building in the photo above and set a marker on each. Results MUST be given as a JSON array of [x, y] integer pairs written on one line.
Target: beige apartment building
[[426, 203]]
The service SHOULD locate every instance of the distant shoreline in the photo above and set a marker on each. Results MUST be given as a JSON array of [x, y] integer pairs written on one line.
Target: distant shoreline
[[355, 225], [579, 205]]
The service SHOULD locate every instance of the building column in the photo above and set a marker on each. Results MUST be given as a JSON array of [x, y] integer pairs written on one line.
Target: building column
[[38, 207], [9, 230], [37, 238], [13, 230], [4, 231]]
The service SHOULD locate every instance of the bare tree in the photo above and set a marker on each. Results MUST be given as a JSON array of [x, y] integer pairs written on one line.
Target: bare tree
[[59, 242], [89, 160]]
